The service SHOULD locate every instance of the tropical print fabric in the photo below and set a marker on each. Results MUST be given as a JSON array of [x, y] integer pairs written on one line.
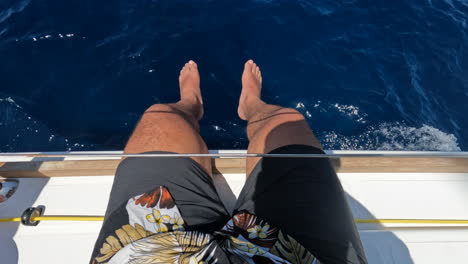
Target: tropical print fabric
[[155, 233]]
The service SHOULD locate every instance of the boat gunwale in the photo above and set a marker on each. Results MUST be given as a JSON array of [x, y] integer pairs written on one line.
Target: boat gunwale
[[84, 164]]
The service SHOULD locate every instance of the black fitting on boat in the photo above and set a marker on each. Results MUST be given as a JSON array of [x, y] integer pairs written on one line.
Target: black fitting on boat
[[28, 214]]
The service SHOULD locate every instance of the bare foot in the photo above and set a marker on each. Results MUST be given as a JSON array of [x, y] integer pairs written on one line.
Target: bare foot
[[251, 86], [189, 82]]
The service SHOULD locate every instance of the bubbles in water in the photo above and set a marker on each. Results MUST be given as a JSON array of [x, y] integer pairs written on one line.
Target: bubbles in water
[[300, 105], [394, 136], [302, 108], [352, 112], [218, 128], [54, 36], [348, 111]]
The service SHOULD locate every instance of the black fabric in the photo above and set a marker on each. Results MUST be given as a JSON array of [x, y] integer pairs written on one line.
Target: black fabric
[[190, 186], [301, 196], [304, 197]]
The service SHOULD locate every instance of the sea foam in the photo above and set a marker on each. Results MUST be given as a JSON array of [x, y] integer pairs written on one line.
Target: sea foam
[[394, 136]]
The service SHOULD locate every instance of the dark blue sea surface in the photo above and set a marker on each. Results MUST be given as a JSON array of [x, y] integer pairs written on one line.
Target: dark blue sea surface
[[392, 75]]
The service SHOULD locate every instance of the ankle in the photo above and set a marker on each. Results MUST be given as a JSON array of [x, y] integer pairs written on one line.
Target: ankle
[[191, 101], [192, 108], [250, 105], [191, 98]]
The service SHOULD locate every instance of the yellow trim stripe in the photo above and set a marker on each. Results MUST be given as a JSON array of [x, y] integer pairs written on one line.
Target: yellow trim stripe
[[56, 218], [68, 218], [358, 221], [16, 219]]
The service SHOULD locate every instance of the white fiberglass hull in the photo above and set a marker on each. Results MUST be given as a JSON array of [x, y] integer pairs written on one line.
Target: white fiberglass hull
[[370, 195]]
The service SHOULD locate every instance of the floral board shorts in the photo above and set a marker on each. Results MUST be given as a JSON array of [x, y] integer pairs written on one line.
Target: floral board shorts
[[167, 210]]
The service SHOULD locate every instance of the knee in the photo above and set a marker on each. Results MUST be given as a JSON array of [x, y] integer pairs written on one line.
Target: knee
[[159, 108], [276, 119], [289, 114], [166, 109]]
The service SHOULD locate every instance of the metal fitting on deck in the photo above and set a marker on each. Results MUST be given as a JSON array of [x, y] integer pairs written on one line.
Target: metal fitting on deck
[[28, 214]]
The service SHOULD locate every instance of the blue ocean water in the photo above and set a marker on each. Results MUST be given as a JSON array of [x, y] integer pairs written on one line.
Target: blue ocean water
[[392, 75]]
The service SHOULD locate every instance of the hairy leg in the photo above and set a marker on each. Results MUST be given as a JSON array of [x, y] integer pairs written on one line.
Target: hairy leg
[[269, 126], [174, 127], [282, 189]]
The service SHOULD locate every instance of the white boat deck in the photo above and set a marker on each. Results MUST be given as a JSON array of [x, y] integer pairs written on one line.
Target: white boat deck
[[370, 195]]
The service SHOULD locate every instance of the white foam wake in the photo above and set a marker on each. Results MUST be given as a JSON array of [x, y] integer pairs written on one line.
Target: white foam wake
[[394, 136]]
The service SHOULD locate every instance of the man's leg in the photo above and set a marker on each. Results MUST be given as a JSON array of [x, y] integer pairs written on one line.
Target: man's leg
[[174, 127], [269, 126], [301, 196], [137, 187]]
